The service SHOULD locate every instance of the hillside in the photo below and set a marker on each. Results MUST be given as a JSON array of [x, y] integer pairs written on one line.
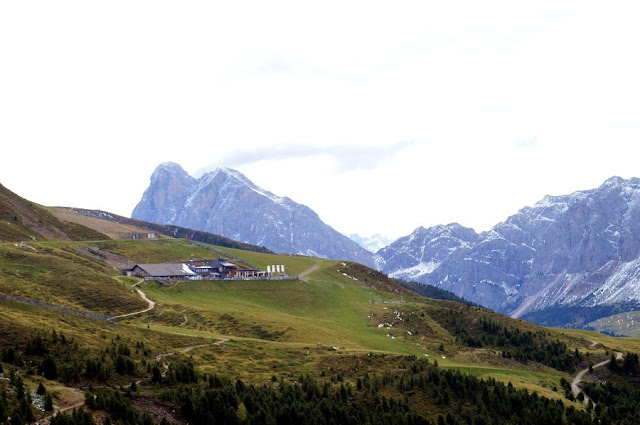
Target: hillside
[[340, 341], [120, 227], [339, 314], [99, 221], [23, 220]]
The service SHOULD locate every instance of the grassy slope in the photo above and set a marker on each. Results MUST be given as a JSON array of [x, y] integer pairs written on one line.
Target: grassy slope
[[623, 324], [23, 220], [273, 327], [112, 229], [99, 217], [274, 324], [55, 272]]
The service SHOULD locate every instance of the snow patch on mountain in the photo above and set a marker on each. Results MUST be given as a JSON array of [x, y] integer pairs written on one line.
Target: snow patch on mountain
[[418, 270]]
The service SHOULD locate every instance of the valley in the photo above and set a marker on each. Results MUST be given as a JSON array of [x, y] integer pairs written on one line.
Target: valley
[[349, 337]]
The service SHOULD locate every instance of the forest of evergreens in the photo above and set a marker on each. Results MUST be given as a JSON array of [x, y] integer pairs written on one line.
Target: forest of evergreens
[[416, 391], [406, 390]]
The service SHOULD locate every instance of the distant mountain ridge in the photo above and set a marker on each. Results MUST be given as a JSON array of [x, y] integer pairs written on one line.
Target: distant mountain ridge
[[227, 203], [575, 252], [371, 243]]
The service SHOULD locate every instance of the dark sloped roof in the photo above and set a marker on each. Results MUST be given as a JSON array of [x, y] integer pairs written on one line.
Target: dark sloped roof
[[166, 269]]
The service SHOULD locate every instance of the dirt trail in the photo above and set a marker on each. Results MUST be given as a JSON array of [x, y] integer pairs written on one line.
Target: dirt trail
[[78, 403], [578, 378], [151, 304], [310, 270], [72, 399], [193, 347]]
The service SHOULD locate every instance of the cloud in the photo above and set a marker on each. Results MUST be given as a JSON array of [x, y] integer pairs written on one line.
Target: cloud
[[266, 64], [346, 158], [525, 144]]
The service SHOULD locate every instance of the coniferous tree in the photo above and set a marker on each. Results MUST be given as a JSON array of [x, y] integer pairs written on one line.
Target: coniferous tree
[[49, 367], [16, 417], [613, 363], [48, 403], [4, 409]]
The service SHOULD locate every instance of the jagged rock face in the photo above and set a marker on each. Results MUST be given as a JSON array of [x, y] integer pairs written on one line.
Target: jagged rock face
[[225, 202], [170, 186], [581, 249]]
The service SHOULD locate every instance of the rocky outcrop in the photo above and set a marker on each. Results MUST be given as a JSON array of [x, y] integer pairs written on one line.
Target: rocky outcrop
[[166, 195], [225, 202]]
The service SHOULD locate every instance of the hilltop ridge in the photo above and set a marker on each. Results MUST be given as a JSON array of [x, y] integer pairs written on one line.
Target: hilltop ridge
[[23, 220]]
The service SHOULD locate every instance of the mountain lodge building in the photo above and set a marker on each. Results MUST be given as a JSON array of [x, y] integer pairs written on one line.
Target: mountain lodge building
[[217, 269]]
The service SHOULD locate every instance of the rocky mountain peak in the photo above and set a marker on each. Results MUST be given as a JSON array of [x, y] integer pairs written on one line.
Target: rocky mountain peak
[[226, 202], [171, 167], [423, 251], [614, 181], [170, 185], [170, 171]]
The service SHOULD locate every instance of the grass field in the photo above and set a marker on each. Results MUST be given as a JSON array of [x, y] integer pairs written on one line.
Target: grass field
[[320, 310]]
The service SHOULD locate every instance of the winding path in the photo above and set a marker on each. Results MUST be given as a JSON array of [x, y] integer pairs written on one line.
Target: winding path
[[578, 378], [310, 270], [193, 347], [78, 403], [151, 304]]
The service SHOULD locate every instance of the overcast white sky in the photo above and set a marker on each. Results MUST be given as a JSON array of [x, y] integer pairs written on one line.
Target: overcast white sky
[[382, 117]]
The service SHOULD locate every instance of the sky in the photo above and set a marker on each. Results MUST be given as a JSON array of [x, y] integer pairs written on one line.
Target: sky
[[380, 116]]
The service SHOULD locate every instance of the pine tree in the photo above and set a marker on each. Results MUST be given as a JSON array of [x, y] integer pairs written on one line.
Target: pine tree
[[48, 403], [49, 367]]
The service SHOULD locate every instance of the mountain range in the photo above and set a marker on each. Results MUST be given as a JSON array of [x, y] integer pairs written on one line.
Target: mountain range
[[227, 203], [564, 261], [371, 243]]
